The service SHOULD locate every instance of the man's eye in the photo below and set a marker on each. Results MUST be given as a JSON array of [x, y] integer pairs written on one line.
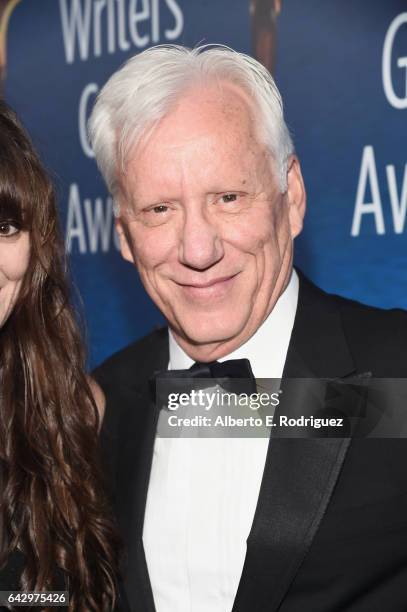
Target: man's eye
[[229, 197], [161, 208], [8, 229]]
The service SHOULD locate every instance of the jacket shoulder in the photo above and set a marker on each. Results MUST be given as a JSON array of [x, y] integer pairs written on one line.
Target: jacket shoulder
[[335, 333], [137, 360], [378, 324], [377, 337]]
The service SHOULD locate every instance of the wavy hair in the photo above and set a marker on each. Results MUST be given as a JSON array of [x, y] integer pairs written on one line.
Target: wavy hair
[[53, 508]]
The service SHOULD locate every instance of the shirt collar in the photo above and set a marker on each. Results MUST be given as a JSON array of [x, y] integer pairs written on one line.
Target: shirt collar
[[267, 348]]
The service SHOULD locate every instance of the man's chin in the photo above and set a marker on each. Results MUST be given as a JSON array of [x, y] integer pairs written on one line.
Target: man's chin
[[198, 337]]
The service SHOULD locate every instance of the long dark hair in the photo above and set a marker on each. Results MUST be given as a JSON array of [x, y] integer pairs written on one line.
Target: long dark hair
[[52, 504]]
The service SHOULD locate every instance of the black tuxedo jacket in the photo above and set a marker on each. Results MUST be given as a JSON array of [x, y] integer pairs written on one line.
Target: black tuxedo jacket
[[330, 529]]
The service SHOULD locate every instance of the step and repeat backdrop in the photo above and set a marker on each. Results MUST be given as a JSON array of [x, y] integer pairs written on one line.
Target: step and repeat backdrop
[[342, 69]]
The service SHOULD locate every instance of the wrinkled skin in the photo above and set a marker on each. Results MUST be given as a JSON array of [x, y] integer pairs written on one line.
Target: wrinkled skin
[[205, 222]]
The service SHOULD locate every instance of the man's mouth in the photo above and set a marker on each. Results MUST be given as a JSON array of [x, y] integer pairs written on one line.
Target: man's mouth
[[214, 288]]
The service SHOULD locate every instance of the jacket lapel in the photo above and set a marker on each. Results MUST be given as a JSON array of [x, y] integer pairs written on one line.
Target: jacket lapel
[[135, 455], [300, 474]]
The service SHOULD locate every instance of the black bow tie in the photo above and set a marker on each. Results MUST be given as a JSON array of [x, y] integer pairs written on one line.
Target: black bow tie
[[233, 375]]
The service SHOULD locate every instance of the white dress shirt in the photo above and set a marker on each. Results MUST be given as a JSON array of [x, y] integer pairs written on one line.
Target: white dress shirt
[[203, 492]]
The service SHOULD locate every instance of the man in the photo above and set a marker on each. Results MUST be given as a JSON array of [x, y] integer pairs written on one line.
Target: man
[[209, 198]]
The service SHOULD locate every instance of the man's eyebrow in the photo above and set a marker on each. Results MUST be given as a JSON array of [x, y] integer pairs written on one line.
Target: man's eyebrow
[[150, 201]]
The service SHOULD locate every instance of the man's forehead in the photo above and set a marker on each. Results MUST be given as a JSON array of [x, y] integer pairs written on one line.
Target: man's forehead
[[208, 136], [198, 112], [219, 95], [207, 161]]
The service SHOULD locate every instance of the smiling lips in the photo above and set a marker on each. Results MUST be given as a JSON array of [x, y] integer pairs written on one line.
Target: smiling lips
[[212, 289]]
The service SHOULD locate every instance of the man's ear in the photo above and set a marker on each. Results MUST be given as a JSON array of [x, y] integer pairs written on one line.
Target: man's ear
[[296, 196], [124, 240]]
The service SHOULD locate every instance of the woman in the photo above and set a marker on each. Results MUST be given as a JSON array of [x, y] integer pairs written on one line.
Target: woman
[[55, 526]]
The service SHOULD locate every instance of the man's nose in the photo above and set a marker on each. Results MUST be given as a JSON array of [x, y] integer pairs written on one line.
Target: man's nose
[[201, 245]]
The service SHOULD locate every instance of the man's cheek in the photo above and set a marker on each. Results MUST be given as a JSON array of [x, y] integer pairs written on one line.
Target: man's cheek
[[252, 240], [149, 282], [154, 246], [241, 235], [147, 252]]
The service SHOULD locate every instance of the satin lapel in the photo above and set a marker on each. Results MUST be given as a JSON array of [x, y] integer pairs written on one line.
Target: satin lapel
[[137, 433], [300, 474], [297, 484]]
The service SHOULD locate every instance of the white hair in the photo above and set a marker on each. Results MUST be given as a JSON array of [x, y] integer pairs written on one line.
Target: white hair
[[148, 86]]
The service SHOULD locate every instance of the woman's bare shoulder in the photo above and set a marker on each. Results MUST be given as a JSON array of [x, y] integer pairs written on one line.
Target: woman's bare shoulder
[[98, 396]]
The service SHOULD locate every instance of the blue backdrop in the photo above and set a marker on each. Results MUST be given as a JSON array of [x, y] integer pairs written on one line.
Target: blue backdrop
[[342, 69]]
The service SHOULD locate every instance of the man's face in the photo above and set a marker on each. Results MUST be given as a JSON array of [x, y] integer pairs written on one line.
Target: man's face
[[205, 222]]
